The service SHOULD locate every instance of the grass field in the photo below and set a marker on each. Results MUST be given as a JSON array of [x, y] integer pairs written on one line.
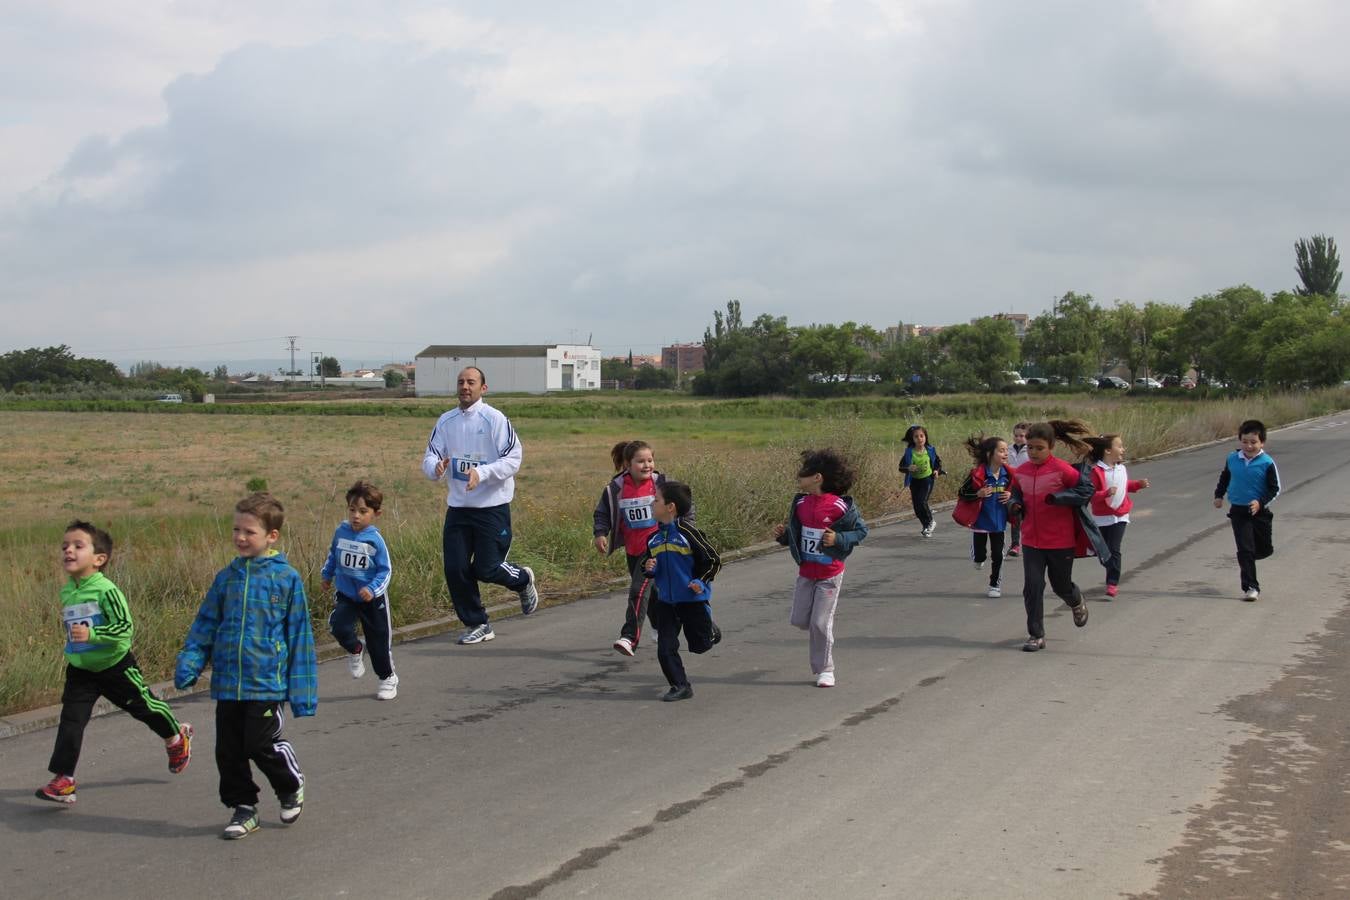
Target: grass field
[[164, 486]]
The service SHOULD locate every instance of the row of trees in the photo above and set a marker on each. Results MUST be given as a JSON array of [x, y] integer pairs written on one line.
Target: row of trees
[[1237, 335]]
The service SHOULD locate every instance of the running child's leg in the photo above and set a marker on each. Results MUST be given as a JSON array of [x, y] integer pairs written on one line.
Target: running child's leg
[[803, 596], [1244, 536], [123, 684], [379, 631], [822, 623], [77, 705], [1059, 568], [1033, 589], [995, 558], [237, 787], [979, 542], [342, 623], [1263, 534], [637, 601], [269, 749], [668, 642]]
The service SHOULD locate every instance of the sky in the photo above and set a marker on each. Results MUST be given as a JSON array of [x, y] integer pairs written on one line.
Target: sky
[[194, 181]]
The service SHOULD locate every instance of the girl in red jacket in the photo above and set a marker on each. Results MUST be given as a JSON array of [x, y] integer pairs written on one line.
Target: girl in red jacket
[[1046, 492], [1111, 489]]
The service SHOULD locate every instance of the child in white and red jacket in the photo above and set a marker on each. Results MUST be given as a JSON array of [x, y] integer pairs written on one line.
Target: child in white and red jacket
[[1111, 504], [1046, 492], [624, 518]]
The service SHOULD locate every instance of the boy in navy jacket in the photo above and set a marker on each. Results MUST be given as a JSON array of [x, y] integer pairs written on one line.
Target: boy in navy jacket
[[1250, 479], [681, 564], [359, 561]]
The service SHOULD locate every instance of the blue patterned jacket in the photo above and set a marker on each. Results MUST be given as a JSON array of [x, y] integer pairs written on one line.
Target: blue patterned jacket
[[254, 630]]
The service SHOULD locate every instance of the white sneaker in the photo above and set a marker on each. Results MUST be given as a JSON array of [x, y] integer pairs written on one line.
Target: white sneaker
[[388, 688], [624, 646], [1251, 594], [932, 527], [356, 664], [926, 531], [825, 679], [979, 565], [995, 592]]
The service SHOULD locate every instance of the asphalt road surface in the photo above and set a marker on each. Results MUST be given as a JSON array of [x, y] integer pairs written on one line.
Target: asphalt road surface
[[1184, 744]]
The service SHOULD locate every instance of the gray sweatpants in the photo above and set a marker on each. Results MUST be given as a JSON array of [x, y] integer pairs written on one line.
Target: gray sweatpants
[[813, 604]]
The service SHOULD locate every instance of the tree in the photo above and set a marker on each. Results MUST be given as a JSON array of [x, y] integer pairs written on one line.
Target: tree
[[1208, 333], [56, 366], [1141, 338], [744, 361], [617, 370], [329, 367], [648, 377], [1318, 266], [1068, 340], [220, 373], [978, 353], [394, 378]]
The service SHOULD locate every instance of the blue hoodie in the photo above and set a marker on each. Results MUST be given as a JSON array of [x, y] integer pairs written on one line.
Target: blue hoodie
[[683, 555], [254, 630]]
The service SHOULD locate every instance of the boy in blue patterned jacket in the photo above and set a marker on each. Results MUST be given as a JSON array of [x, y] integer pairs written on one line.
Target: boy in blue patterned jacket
[[254, 630], [681, 565]]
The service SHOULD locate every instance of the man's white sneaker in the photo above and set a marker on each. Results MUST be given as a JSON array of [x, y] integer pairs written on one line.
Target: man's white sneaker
[[388, 688], [356, 664], [1251, 594], [825, 679], [477, 635], [979, 565], [995, 592], [624, 646], [529, 595]]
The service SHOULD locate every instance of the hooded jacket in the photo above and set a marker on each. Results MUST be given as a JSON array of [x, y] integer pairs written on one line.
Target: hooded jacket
[[606, 517], [253, 629], [849, 530]]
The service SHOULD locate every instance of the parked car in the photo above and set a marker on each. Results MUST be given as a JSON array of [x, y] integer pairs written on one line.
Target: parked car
[[1151, 384], [1037, 380], [170, 398], [1013, 378], [1111, 381], [1086, 380]]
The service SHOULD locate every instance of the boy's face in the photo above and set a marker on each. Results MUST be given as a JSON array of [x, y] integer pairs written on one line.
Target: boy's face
[[1251, 444], [78, 557], [1019, 436], [665, 512], [360, 515], [251, 537]]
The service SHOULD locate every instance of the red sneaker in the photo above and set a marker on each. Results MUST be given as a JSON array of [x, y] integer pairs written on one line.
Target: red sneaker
[[1110, 590], [60, 789], [1015, 550], [181, 750]]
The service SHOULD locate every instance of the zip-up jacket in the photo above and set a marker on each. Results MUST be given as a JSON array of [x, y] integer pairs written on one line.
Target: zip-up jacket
[[358, 560], [98, 603], [1046, 494], [908, 459], [1017, 454], [254, 630], [993, 516], [683, 555], [608, 520], [480, 437], [1246, 480], [1101, 493], [849, 530]]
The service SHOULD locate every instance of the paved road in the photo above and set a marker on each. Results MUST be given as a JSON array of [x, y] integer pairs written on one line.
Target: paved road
[[1183, 744]]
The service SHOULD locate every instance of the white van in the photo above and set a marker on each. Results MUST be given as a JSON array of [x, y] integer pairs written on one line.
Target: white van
[[170, 398]]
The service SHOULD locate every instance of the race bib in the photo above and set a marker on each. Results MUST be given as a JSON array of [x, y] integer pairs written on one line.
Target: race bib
[[460, 465], [812, 548], [355, 555], [637, 512], [90, 614]]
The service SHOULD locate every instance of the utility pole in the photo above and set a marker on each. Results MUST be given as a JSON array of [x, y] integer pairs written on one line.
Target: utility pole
[[290, 373]]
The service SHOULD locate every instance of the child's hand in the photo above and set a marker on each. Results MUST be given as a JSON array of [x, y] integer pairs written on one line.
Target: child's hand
[[1218, 503], [779, 530], [827, 539], [602, 543], [649, 566], [327, 586], [365, 595], [79, 632], [1254, 507], [1143, 484], [696, 587], [1004, 497], [984, 492]]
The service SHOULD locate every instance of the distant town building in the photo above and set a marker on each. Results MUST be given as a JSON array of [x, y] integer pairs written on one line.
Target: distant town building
[[682, 358], [1020, 322], [532, 368]]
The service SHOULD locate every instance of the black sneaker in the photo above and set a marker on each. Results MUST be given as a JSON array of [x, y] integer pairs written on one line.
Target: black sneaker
[[683, 692], [242, 823], [716, 634]]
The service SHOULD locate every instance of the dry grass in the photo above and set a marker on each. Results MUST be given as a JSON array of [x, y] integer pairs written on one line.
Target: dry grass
[[164, 486]]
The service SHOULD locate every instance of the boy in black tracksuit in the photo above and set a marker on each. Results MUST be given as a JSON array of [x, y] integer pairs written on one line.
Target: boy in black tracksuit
[[681, 564]]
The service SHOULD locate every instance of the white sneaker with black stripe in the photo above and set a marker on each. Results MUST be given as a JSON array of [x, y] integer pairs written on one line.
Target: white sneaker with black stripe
[[477, 635], [529, 595]]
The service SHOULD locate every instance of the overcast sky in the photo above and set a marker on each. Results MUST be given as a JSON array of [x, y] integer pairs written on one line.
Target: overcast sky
[[192, 180]]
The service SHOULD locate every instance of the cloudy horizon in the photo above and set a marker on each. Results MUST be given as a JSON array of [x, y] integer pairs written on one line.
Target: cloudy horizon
[[185, 180]]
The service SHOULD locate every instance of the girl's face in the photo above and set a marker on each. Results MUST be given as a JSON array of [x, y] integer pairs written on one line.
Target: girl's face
[[1039, 450], [1115, 453], [1000, 454], [920, 438], [642, 465], [810, 484], [1019, 436]]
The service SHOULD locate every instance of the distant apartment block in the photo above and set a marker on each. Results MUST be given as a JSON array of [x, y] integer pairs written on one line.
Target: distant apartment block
[[681, 358], [1020, 322]]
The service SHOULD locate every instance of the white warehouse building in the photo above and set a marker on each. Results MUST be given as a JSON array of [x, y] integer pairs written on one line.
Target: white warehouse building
[[531, 368]]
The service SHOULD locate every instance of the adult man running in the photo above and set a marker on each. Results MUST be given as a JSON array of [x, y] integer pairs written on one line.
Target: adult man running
[[477, 446]]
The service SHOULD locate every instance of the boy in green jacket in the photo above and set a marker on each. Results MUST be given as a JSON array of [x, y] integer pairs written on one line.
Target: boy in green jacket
[[99, 662]]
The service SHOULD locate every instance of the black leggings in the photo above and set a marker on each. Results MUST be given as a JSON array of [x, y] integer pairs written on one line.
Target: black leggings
[[920, 489], [994, 540]]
